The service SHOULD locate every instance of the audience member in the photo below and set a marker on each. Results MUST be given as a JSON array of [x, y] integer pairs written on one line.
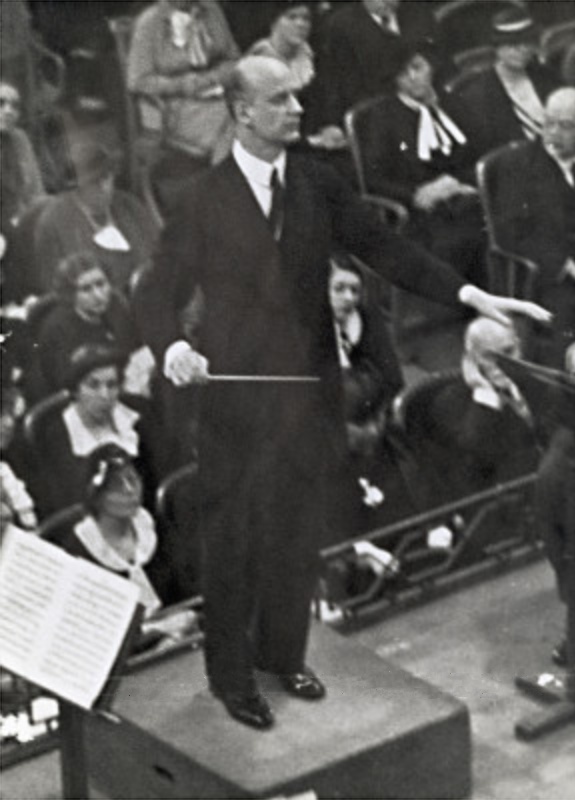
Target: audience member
[[290, 30], [505, 103], [87, 311], [16, 53], [95, 217], [14, 491], [361, 44], [21, 190], [94, 416], [536, 202], [416, 151], [479, 431], [181, 52], [556, 498], [117, 532]]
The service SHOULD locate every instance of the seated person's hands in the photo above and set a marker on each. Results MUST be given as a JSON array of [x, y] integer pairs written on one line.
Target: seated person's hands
[[183, 366], [380, 561], [428, 195], [330, 138]]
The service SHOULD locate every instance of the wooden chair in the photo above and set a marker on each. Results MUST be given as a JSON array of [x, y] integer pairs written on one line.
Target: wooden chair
[[391, 211], [509, 272], [177, 514], [40, 414], [144, 121], [556, 42]]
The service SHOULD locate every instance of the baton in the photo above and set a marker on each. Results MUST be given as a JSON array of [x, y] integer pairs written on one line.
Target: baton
[[263, 379]]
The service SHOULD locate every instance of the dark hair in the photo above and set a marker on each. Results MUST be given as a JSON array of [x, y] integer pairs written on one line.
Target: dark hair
[[277, 8], [345, 262], [104, 464], [89, 357], [69, 270]]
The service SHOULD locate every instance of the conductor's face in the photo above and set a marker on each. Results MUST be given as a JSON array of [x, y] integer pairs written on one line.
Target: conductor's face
[[271, 111]]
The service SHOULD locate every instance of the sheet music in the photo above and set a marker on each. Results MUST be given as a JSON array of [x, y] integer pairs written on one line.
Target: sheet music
[[62, 619]]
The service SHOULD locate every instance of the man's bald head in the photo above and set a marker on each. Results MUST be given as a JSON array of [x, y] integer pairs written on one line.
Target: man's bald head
[[559, 124], [261, 94], [484, 336], [247, 77]]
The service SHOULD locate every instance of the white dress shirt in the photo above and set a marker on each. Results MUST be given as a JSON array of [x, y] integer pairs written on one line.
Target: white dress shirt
[[258, 174]]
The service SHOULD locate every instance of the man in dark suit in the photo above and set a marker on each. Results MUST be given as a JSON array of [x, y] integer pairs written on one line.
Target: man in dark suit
[[360, 46], [536, 204], [256, 233]]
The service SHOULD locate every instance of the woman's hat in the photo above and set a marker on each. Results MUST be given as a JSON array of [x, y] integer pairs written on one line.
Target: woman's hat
[[93, 162], [514, 26], [90, 357]]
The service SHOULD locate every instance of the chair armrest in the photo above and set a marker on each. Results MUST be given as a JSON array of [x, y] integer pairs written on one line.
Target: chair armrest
[[386, 208]]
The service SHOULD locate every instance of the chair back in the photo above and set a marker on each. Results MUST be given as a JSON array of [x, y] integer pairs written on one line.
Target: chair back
[[465, 24], [41, 414], [354, 121], [57, 524], [556, 41], [411, 410], [177, 514], [510, 272]]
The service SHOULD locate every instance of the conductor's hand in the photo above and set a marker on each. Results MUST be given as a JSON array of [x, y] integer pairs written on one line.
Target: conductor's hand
[[501, 309], [183, 366]]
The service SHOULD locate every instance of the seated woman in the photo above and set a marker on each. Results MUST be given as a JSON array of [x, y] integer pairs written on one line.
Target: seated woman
[[290, 23], [95, 217], [14, 490], [86, 312], [182, 52], [94, 416], [417, 151], [368, 488], [505, 103], [117, 532], [21, 190]]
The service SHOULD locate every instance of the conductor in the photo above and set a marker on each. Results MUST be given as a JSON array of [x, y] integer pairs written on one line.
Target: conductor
[[255, 233]]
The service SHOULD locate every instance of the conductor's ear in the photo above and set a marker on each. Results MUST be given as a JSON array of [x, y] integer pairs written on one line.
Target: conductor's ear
[[242, 112]]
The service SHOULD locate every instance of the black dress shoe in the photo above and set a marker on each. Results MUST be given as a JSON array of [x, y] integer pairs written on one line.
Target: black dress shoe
[[251, 709], [303, 684], [559, 654]]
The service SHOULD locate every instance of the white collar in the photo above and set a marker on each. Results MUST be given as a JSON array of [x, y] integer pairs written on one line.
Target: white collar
[[84, 441], [388, 21], [89, 533], [254, 169], [565, 165]]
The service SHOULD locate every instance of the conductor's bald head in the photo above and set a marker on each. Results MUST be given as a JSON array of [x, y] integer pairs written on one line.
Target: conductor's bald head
[[261, 96]]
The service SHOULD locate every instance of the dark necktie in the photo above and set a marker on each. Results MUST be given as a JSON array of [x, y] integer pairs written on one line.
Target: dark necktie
[[276, 216]]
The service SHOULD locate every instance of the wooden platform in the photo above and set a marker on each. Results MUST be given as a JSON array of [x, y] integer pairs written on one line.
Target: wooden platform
[[380, 733]]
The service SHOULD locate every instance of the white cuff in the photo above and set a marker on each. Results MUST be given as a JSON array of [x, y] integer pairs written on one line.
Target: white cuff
[[173, 351], [467, 294], [485, 396]]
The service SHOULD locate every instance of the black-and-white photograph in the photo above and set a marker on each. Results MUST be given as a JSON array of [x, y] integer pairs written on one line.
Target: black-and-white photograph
[[287, 424]]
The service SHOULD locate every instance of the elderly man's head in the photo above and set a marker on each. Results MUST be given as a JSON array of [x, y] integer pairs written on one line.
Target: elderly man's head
[[559, 124], [484, 338], [262, 98]]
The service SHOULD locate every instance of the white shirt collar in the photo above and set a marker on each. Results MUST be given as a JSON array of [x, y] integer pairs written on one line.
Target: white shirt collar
[[254, 169], [566, 166]]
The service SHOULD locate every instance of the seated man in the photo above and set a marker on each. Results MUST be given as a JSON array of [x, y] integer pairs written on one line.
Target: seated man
[[536, 203], [480, 429], [416, 151]]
